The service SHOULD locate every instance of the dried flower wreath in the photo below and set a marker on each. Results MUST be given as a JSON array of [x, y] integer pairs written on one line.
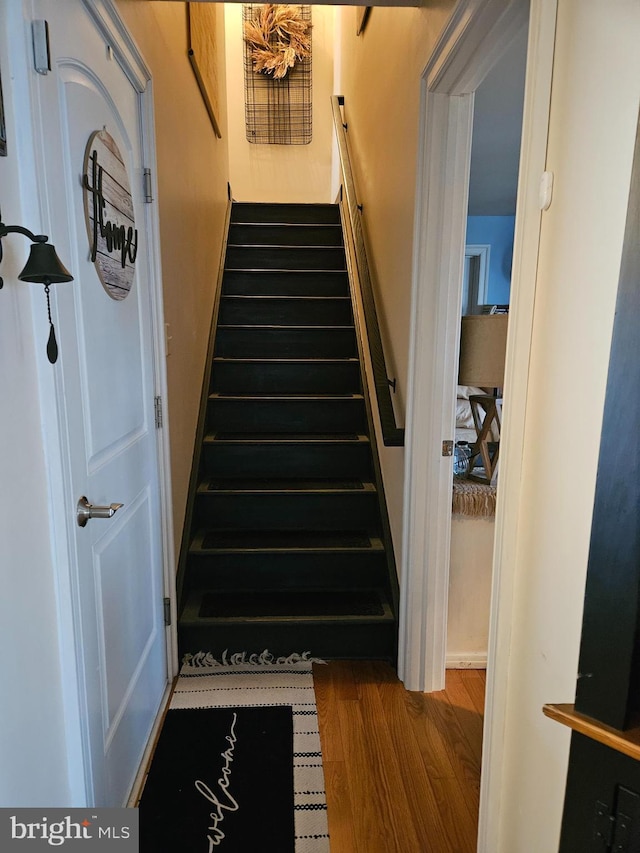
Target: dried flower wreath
[[278, 38]]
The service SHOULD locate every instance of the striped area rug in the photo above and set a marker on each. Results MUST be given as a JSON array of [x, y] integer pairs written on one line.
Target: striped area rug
[[252, 681]]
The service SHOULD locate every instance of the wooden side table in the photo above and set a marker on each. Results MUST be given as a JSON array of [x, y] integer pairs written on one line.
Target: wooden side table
[[487, 411]]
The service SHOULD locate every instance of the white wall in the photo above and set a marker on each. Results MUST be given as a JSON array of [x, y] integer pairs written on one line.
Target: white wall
[[281, 173], [470, 568], [33, 743], [595, 99]]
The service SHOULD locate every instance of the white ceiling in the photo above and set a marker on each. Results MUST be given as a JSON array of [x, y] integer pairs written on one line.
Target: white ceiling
[[497, 124]]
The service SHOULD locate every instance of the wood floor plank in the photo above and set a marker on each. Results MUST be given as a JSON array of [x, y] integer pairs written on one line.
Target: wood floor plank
[[440, 815], [431, 739], [408, 777], [339, 808], [474, 681], [383, 701], [324, 682], [465, 709], [465, 763], [383, 819], [345, 683], [458, 805]]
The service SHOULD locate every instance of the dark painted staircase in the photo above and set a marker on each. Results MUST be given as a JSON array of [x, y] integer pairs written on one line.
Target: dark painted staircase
[[288, 547]]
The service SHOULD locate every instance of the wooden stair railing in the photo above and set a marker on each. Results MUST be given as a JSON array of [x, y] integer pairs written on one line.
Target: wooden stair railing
[[392, 434]]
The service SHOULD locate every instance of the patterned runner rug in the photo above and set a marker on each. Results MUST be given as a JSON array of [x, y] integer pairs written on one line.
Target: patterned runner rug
[[199, 757]]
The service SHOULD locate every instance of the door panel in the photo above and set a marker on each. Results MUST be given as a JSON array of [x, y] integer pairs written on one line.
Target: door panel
[[129, 626], [105, 386]]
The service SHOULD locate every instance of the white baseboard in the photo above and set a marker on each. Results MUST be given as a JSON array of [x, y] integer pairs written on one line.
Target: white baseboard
[[467, 660]]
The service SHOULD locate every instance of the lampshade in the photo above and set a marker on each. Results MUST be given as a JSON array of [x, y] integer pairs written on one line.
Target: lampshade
[[483, 344], [44, 265]]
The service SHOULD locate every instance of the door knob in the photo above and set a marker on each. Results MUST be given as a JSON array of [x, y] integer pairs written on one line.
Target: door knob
[[85, 511]]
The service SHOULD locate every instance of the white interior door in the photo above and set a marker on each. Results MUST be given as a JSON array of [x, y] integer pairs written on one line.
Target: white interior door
[[105, 385]]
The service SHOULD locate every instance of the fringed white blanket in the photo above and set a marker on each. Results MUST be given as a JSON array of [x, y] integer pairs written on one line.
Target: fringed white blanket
[[251, 681], [474, 500]]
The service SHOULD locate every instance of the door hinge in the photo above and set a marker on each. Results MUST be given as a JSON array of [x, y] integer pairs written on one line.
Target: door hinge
[[447, 447], [603, 825], [147, 188], [617, 830], [167, 610], [626, 832], [157, 405], [41, 51]]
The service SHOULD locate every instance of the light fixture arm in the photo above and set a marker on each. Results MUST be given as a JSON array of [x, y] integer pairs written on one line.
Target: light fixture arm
[[18, 229]]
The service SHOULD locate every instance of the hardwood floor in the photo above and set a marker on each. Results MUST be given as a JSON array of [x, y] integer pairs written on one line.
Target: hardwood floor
[[402, 770]]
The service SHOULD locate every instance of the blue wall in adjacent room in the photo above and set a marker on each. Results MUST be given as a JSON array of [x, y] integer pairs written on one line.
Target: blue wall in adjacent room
[[497, 231]]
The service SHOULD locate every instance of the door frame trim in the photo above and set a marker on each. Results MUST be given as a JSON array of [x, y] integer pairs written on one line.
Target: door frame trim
[[475, 37]]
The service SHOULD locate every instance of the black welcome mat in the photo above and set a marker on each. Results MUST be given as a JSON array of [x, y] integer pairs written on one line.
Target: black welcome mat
[[221, 779]]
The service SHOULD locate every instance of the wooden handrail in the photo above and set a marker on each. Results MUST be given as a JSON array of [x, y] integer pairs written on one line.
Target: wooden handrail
[[392, 434], [202, 412], [627, 741]]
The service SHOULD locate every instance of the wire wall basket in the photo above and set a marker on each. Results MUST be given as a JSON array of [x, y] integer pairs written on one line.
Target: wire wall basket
[[277, 112]]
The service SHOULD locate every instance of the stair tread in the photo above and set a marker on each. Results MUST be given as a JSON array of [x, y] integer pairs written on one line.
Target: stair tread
[[286, 246], [226, 485], [187, 620], [286, 328], [283, 297], [319, 360], [249, 223], [284, 438], [267, 210], [294, 270], [270, 272], [207, 541], [287, 224], [332, 226], [216, 395], [264, 606]]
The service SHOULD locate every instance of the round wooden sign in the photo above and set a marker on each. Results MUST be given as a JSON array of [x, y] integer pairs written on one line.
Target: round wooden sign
[[108, 206]]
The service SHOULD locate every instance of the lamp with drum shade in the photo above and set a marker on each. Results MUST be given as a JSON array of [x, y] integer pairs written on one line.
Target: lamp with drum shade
[[483, 343]]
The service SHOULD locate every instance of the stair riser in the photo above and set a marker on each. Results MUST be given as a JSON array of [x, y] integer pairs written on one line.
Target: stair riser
[[266, 378], [270, 258], [287, 571], [241, 283], [288, 461], [293, 213], [285, 235], [246, 311], [286, 416], [292, 511], [350, 642], [285, 343]]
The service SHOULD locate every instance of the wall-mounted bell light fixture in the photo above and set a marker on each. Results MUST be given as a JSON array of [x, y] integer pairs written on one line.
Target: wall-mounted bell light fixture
[[43, 267]]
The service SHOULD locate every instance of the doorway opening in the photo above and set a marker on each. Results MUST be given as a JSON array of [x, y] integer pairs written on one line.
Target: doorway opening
[[475, 39], [493, 182]]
